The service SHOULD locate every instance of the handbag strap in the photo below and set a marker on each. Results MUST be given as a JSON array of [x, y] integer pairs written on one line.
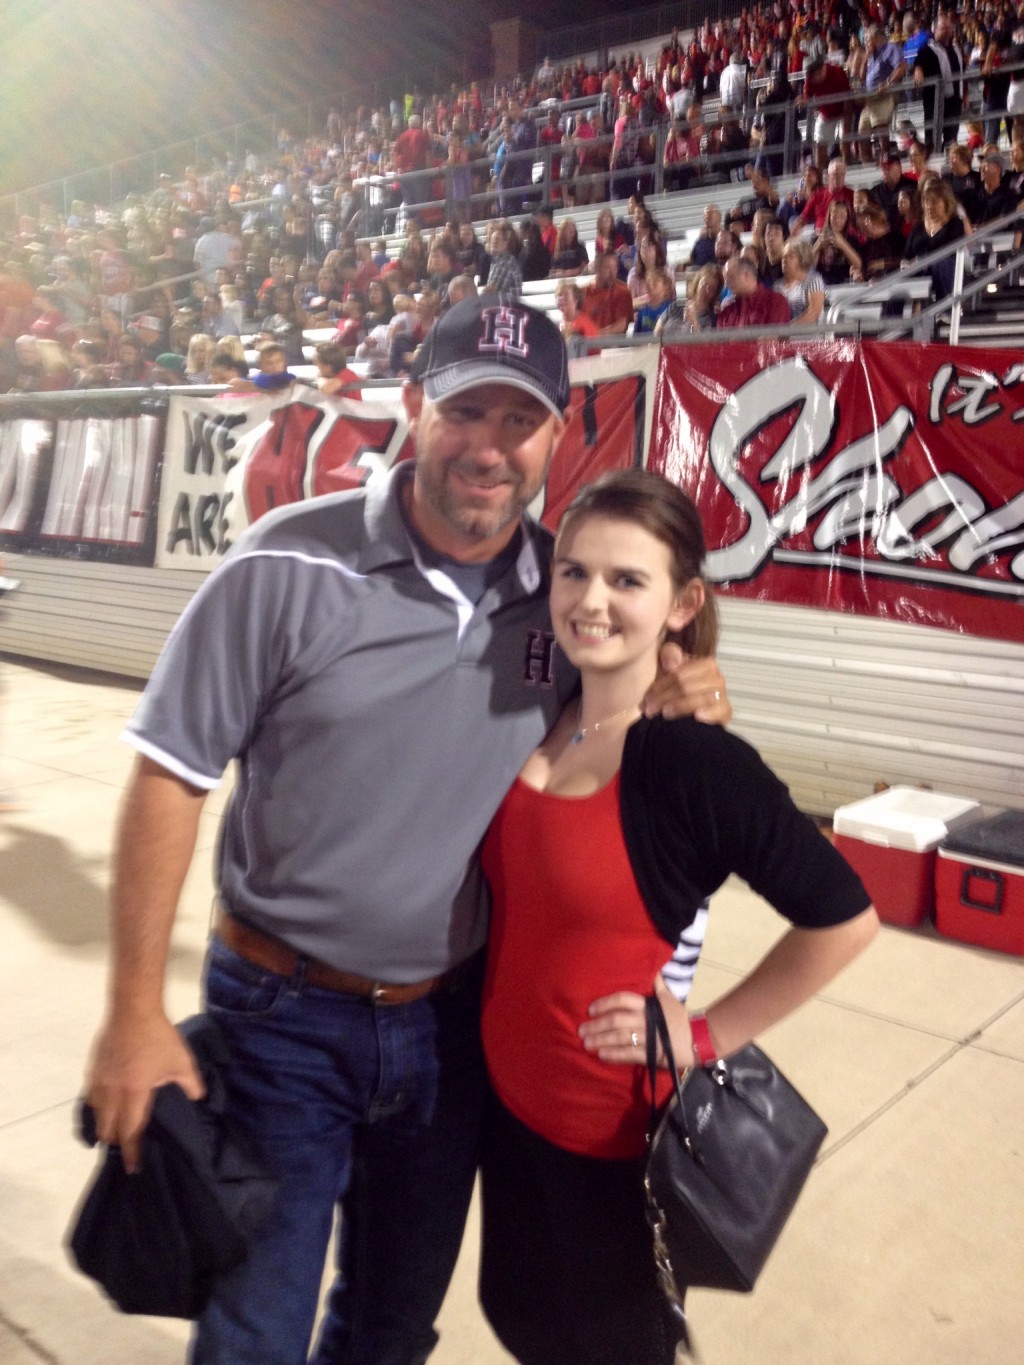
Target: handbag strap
[[657, 1027], [651, 1009]]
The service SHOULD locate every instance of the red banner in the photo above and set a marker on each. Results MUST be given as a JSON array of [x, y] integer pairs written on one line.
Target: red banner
[[605, 430], [880, 478]]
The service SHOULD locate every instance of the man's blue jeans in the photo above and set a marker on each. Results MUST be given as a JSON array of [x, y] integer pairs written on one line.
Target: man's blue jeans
[[377, 1108]]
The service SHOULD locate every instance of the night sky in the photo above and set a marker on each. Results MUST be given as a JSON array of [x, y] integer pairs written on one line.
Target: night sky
[[89, 81]]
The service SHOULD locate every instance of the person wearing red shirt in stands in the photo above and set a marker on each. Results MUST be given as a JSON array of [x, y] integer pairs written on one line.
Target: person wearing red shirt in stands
[[333, 374], [831, 83], [591, 161], [607, 301], [277, 278], [548, 231], [752, 304], [411, 153], [50, 320], [576, 326], [366, 271], [551, 136], [17, 302], [836, 189]]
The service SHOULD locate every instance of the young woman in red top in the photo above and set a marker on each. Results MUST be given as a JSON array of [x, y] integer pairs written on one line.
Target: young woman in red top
[[599, 860]]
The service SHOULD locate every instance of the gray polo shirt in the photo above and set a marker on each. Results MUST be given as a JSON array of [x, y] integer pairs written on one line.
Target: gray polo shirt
[[378, 717]]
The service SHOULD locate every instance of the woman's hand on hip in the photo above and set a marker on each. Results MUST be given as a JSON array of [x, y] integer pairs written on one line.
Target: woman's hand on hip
[[616, 1028]]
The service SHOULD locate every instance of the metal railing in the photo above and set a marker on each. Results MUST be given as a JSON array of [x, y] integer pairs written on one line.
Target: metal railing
[[151, 399], [922, 325], [713, 336], [392, 197]]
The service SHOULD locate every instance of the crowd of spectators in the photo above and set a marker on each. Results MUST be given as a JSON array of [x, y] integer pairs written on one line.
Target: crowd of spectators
[[161, 289], [824, 235], [849, 59]]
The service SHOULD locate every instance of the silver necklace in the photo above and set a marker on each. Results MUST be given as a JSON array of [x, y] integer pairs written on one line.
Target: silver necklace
[[584, 730]]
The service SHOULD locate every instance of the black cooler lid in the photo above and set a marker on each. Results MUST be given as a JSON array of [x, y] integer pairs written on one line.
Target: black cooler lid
[[997, 839]]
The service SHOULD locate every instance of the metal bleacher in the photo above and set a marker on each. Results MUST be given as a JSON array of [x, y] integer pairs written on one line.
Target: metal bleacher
[[679, 215]]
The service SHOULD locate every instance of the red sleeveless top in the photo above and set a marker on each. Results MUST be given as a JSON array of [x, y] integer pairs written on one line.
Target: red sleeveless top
[[568, 927]]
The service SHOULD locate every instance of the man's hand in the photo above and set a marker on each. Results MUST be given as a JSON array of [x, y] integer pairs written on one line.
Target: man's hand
[[131, 1059], [688, 687], [138, 1049]]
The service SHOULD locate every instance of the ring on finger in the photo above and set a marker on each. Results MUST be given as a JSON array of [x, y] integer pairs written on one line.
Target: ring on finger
[[634, 1039]]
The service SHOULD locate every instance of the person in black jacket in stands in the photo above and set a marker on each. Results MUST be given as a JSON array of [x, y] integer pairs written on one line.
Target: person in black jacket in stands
[[995, 198], [887, 191], [471, 253], [940, 225], [963, 179], [534, 257], [941, 59]]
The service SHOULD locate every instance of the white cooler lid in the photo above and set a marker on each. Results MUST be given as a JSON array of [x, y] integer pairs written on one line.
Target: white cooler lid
[[904, 817]]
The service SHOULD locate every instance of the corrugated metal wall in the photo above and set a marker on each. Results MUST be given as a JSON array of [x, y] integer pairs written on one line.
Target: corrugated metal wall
[[101, 616], [835, 703]]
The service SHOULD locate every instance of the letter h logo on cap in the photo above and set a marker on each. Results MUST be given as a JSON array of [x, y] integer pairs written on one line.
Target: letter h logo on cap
[[504, 332], [480, 342]]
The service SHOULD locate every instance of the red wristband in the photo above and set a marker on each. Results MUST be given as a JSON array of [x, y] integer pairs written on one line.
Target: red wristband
[[700, 1036]]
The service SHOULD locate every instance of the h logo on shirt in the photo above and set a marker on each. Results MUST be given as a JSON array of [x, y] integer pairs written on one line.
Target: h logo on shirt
[[540, 659], [504, 331]]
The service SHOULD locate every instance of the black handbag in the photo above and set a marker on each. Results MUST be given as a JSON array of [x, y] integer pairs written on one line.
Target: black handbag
[[727, 1158]]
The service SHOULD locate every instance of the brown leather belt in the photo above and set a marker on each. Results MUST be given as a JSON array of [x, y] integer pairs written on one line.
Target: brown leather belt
[[264, 950]]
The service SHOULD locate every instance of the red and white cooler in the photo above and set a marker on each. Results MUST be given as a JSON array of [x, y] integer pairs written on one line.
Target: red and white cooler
[[979, 883], [890, 840]]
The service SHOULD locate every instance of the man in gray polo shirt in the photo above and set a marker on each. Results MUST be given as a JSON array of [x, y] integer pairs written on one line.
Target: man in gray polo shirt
[[380, 663]]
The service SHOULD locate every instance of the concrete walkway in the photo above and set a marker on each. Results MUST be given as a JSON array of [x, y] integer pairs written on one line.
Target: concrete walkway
[[906, 1249]]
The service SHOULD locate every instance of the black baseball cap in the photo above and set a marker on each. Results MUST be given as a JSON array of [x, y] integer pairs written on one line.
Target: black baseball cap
[[486, 340]]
